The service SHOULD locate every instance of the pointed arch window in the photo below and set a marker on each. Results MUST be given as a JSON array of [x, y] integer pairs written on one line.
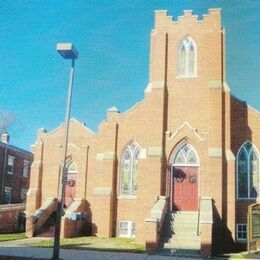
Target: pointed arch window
[[248, 183], [72, 167], [187, 58], [129, 162], [185, 156]]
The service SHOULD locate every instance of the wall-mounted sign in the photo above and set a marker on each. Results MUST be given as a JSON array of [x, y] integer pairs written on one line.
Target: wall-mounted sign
[[253, 220]]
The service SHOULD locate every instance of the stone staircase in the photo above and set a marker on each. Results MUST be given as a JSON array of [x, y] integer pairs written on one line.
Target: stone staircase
[[179, 234], [48, 228]]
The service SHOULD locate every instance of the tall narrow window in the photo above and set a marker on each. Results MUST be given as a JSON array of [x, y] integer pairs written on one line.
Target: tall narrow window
[[247, 172], [26, 165], [10, 165], [7, 195], [129, 162], [187, 63]]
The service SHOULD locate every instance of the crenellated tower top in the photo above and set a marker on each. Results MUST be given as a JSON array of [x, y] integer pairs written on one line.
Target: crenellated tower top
[[162, 19]]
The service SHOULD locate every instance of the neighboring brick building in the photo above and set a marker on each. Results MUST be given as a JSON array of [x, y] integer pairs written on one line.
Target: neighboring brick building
[[188, 146], [14, 172]]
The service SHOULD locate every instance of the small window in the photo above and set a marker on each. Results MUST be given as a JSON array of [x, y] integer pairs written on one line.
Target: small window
[[7, 195], [26, 168], [23, 195], [10, 165], [126, 229], [241, 232]]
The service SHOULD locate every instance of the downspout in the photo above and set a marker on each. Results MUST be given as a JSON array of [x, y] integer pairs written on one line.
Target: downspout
[[3, 178]]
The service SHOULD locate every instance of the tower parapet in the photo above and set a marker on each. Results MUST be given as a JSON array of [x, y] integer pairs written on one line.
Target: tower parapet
[[163, 20]]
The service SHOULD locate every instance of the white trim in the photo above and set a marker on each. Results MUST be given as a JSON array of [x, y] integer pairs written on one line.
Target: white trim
[[132, 153], [127, 197], [26, 162], [248, 170], [187, 42], [23, 191], [171, 189], [74, 164], [179, 148], [187, 77], [185, 124], [130, 232], [13, 158]]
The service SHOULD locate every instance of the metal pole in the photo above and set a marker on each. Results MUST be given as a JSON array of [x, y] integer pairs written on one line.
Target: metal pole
[[63, 173]]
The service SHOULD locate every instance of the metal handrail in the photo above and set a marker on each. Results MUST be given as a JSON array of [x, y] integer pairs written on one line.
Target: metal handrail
[[198, 225]]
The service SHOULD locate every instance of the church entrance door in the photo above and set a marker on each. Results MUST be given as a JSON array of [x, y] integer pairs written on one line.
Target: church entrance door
[[70, 188], [185, 188], [185, 176]]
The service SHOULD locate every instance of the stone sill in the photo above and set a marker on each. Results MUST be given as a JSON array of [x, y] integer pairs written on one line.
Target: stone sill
[[187, 77], [126, 197], [246, 199]]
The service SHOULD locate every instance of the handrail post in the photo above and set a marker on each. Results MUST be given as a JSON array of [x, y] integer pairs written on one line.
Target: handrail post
[[198, 225]]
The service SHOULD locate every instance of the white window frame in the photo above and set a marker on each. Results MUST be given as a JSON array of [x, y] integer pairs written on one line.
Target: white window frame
[[9, 189], [187, 42], [248, 170], [26, 165], [243, 232], [130, 230], [179, 148], [131, 189], [22, 192], [13, 159]]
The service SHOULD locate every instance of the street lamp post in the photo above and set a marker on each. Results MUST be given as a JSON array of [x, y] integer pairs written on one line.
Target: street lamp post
[[67, 51]]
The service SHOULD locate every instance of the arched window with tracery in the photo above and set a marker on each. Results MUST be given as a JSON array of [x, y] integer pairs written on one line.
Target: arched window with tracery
[[129, 161], [71, 166], [247, 172], [186, 156], [187, 58]]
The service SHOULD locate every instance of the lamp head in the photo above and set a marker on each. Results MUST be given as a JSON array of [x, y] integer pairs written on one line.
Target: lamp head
[[67, 50]]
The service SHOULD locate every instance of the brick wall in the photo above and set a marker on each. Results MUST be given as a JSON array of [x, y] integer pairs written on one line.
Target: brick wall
[[11, 218], [15, 181], [198, 110]]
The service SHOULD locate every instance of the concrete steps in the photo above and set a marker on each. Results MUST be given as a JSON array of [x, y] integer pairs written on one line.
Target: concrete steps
[[179, 234]]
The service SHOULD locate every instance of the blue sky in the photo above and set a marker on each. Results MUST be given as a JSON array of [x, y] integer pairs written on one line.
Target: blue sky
[[112, 38]]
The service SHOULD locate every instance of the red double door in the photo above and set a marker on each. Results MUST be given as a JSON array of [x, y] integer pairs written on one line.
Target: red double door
[[185, 188]]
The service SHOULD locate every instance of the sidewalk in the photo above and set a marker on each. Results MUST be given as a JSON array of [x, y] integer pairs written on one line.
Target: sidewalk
[[68, 254]]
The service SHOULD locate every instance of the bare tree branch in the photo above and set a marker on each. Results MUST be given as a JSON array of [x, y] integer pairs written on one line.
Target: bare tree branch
[[7, 119]]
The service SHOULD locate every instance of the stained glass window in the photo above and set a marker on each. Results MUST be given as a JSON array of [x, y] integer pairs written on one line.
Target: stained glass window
[[182, 60], [191, 68], [128, 183], [185, 155], [254, 175], [247, 172], [72, 168], [187, 57]]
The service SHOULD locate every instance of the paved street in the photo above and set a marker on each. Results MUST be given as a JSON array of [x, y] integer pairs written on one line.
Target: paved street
[[46, 253]]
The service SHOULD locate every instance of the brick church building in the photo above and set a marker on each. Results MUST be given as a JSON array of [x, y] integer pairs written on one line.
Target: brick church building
[[185, 158]]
